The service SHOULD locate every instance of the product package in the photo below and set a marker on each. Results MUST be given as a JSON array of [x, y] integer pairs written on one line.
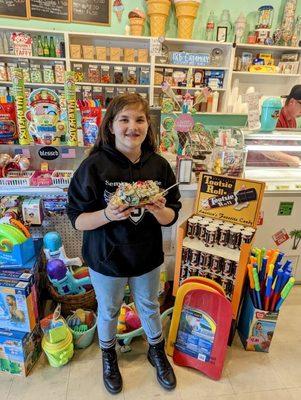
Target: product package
[[91, 119], [109, 95], [75, 51], [8, 123], [48, 74], [144, 76], [79, 72], [101, 53], [59, 71], [118, 75], [88, 52], [27, 72], [93, 73], [105, 74], [35, 73], [132, 75], [19, 351], [3, 72]]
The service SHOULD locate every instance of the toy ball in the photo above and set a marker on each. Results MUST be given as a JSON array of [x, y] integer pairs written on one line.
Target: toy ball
[[56, 269], [52, 241], [132, 320]]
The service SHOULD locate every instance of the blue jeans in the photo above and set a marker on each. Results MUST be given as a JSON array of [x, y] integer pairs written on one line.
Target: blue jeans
[[110, 292]]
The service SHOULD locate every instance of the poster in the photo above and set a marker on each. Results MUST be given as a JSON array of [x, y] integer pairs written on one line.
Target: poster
[[230, 199]]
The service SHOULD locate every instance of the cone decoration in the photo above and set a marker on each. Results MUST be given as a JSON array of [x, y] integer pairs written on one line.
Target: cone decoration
[[118, 9], [186, 12], [158, 11], [136, 22]]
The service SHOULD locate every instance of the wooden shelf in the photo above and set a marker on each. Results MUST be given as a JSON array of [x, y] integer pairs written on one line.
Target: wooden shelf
[[133, 64], [188, 88], [220, 251], [32, 58], [191, 66], [247, 73], [30, 84]]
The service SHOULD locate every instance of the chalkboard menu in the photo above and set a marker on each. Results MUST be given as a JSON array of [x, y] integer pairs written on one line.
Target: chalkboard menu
[[91, 11], [54, 10], [13, 8]]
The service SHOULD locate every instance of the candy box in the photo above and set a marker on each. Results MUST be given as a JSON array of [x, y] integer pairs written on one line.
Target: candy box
[[88, 52], [17, 305], [75, 51], [19, 351], [256, 327], [101, 53]]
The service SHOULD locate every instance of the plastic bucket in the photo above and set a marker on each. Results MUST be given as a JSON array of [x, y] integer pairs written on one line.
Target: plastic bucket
[[83, 339], [60, 353]]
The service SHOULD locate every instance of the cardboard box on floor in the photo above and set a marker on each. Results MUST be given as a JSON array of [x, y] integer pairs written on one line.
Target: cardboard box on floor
[[217, 198]]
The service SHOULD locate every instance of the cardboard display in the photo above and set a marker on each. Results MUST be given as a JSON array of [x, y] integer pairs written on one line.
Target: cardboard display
[[224, 195]]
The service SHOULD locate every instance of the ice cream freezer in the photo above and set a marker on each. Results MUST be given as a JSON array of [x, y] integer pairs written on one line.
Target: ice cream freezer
[[275, 158]]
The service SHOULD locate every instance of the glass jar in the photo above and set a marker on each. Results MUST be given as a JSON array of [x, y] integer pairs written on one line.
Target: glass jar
[[228, 161]]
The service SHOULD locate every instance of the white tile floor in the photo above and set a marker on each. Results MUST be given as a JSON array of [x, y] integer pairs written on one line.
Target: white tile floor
[[246, 375]]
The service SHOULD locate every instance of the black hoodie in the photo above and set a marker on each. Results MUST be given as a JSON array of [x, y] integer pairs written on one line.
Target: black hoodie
[[131, 247]]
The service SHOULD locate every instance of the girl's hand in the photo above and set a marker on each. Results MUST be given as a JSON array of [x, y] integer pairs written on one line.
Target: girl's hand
[[118, 213], [156, 206]]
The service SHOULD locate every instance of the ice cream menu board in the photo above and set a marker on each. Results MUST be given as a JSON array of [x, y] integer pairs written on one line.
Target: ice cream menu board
[[230, 199], [91, 11], [13, 8], [54, 10]]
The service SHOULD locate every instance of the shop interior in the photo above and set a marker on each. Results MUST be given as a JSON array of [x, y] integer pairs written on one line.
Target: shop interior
[[222, 82]]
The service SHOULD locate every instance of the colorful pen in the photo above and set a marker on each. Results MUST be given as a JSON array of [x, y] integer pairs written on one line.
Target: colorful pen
[[285, 292], [268, 288]]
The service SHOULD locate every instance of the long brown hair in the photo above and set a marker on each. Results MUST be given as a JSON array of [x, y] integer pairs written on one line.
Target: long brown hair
[[120, 102]]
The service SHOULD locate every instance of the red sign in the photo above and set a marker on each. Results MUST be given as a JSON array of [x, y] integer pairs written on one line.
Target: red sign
[[280, 237]]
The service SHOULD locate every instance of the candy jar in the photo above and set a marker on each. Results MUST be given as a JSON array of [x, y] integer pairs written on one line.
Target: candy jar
[[297, 33], [239, 27], [288, 20], [265, 17]]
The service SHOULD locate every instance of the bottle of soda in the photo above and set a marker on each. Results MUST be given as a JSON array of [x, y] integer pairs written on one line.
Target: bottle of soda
[[34, 46], [52, 52], [46, 47], [40, 47], [57, 47], [210, 26]]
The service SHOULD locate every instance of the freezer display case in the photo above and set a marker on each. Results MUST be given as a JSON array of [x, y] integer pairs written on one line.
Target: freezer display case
[[275, 158]]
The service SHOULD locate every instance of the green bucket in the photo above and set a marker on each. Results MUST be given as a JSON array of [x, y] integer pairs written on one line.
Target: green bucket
[[82, 340]]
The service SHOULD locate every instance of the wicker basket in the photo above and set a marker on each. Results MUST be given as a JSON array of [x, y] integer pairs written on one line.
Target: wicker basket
[[72, 302]]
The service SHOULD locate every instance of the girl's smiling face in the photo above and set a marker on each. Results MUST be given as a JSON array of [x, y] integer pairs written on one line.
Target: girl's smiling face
[[130, 129]]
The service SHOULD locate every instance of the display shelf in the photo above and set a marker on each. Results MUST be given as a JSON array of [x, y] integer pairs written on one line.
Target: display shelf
[[189, 88], [32, 57], [92, 61], [191, 66], [262, 74], [30, 84], [33, 190], [266, 47], [220, 251], [276, 135], [125, 85]]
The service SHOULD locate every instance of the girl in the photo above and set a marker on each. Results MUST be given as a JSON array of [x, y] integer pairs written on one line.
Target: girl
[[123, 245]]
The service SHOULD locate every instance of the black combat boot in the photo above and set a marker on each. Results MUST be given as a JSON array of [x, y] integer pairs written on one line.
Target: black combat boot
[[157, 357], [111, 375]]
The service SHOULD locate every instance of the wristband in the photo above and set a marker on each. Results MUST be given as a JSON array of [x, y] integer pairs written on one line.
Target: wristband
[[104, 211]]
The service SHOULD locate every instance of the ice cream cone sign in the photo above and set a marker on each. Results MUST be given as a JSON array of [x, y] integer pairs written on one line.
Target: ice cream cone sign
[[118, 9], [136, 22], [186, 12]]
